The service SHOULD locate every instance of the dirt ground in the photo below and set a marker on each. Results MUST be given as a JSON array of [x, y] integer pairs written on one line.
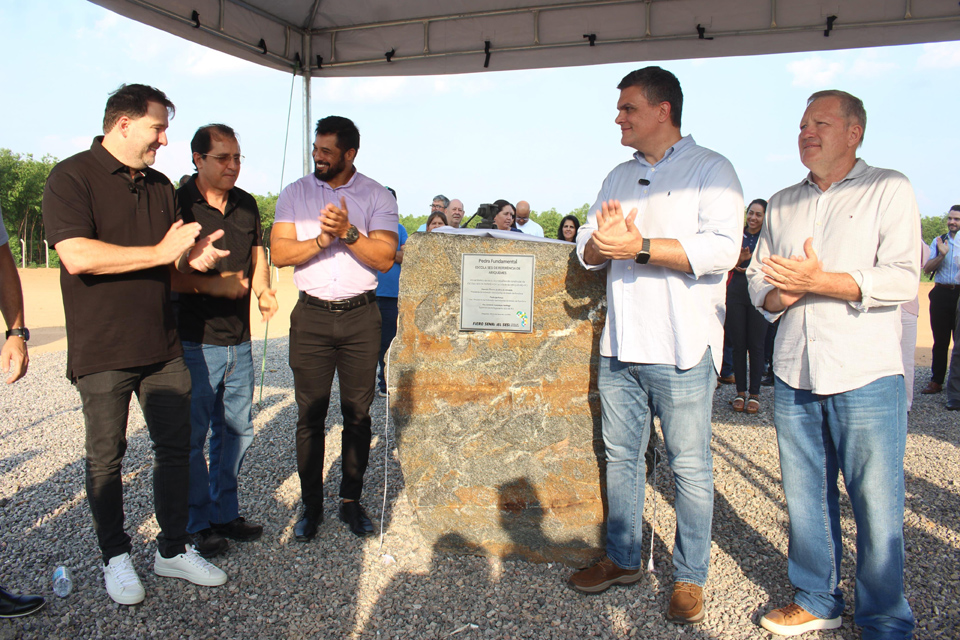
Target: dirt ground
[[44, 309], [44, 312]]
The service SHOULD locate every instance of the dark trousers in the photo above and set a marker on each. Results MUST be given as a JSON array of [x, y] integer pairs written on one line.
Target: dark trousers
[[323, 342], [953, 380], [746, 330], [769, 342], [388, 314], [163, 390], [943, 310]]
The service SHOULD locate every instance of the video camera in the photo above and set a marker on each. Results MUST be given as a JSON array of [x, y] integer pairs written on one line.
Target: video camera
[[487, 213]]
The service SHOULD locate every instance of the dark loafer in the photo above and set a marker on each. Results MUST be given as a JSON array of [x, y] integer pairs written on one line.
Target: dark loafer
[[355, 517], [931, 388], [306, 527], [209, 543], [12, 606], [238, 529]]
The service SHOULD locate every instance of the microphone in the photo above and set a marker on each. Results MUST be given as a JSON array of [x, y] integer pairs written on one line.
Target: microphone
[[643, 181]]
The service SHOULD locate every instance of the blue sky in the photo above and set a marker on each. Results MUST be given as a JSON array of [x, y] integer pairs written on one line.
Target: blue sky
[[546, 136]]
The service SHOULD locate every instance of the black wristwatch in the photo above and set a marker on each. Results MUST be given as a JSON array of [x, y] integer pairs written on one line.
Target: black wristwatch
[[643, 256], [353, 234], [22, 332]]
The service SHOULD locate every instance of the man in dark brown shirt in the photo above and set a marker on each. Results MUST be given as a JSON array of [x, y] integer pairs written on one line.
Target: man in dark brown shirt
[[112, 220]]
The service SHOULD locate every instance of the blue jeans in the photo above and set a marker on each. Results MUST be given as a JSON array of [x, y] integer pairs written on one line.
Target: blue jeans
[[862, 433], [221, 404], [630, 396]]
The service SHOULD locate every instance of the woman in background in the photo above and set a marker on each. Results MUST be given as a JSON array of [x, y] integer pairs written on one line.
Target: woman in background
[[437, 219], [506, 214], [568, 228], [745, 328]]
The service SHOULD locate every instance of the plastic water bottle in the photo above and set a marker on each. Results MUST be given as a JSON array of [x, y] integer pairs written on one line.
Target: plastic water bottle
[[62, 581]]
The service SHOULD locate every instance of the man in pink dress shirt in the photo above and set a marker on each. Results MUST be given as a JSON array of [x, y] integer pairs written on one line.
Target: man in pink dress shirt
[[338, 228]]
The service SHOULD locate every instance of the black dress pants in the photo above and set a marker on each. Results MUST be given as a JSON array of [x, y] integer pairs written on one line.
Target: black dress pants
[[323, 342], [163, 390], [943, 310], [388, 331], [746, 330]]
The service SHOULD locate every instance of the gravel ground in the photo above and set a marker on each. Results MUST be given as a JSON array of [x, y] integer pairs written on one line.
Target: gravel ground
[[341, 587]]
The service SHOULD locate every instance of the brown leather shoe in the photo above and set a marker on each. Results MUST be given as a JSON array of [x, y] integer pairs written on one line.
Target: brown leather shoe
[[726, 379], [931, 388], [602, 576], [792, 620], [686, 605]]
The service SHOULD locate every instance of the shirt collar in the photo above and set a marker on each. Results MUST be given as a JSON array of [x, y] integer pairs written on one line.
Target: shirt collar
[[859, 168], [233, 196], [107, 159], [678, 147], [346, 184]]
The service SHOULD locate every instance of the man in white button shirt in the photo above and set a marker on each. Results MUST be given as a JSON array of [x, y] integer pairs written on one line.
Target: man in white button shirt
[[836, 258], [524, 223], [666, 263]]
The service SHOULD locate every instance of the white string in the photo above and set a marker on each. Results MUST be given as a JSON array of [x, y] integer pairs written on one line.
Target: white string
[[653, 525], [386, 444]]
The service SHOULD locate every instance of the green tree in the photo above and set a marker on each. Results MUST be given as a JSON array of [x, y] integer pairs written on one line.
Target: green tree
[[268, 209], [933, 226], [411, 223], [21, 194]]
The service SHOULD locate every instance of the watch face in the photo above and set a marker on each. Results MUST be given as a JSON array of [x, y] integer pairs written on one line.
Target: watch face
[[353, 234]]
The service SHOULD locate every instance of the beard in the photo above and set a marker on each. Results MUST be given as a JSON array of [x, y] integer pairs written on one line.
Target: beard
[[331, 172]]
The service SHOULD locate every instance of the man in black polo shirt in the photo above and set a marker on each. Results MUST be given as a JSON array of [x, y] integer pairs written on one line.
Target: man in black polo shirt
[[215, 332], [112, 219]]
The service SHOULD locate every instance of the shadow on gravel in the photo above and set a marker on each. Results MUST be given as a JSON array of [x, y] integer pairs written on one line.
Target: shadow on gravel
[[932, 502], [15, 432], [11, 462]]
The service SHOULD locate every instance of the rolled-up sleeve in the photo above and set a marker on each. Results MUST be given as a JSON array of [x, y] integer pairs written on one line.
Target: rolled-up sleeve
[[893, 279], [757, 286], [586, 231], [716, 245]]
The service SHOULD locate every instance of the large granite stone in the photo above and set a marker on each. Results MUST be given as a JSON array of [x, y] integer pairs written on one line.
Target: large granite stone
[[499, 433]]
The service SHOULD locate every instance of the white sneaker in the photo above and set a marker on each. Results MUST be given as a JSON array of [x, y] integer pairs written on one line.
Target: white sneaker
[[191, 566], [123, 583]]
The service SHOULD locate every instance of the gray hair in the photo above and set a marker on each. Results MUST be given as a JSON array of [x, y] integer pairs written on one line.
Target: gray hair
[[851, 107], [442, 198]]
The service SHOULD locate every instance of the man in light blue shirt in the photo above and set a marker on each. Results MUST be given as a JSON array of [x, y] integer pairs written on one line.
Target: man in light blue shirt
[[388, 291], [666, 263], [944, 253]]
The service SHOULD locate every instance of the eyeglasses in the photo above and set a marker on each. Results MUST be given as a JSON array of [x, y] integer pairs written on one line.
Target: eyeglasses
[[225, 158]]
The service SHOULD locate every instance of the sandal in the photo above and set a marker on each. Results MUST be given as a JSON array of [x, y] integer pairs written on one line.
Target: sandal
[[753, 404], [738, 403]]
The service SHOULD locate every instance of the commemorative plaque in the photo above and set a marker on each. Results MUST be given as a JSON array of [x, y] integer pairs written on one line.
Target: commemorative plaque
[[496, 292]]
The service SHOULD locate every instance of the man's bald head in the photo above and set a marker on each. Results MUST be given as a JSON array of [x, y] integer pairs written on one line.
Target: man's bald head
[[523, 212], [455, 213]]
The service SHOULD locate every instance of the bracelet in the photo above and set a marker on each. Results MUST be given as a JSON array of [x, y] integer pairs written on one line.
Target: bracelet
[[318, 243]]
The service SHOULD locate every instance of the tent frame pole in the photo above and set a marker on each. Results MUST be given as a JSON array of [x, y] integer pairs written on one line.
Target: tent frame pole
[[307, 124]]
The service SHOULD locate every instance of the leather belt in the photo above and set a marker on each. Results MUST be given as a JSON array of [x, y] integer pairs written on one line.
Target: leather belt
[[368, 297]]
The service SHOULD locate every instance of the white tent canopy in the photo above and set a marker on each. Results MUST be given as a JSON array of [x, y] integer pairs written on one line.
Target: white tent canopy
[[330, 38]]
